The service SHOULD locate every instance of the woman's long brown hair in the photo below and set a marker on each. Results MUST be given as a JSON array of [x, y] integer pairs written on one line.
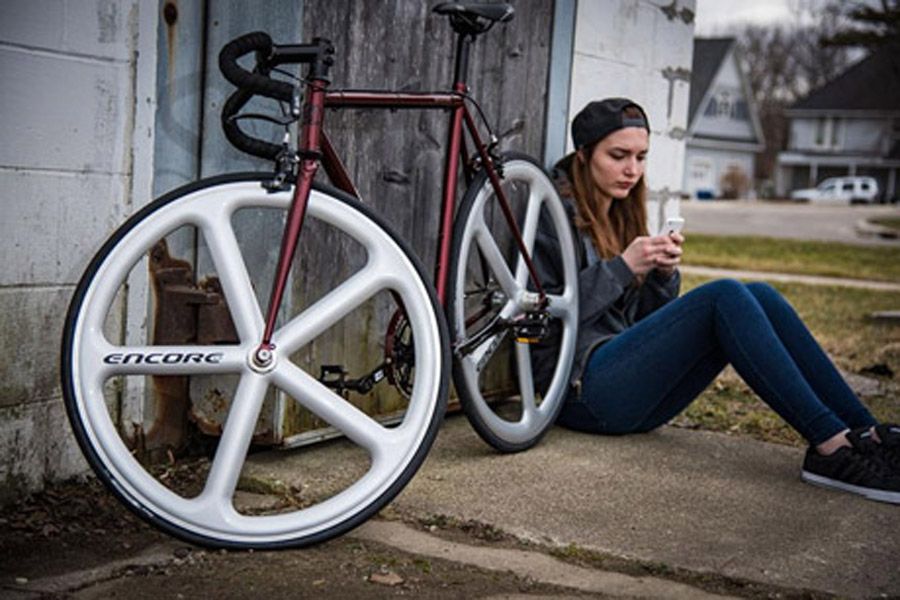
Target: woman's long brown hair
[[627, 218]]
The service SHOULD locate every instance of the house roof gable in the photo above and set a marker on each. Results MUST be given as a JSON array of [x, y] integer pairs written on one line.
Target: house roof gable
[[708, 56], [717, 63], [871, 84]]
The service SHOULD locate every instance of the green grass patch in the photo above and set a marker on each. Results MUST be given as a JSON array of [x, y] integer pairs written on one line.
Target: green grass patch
[[881, 263], [892, 222], [839, 319]]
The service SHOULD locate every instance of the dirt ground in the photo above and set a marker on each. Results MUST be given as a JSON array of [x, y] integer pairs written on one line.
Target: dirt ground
[[75, 528]]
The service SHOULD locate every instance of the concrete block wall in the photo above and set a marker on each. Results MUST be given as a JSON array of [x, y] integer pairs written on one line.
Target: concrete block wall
[[71, 105], [640, 49]]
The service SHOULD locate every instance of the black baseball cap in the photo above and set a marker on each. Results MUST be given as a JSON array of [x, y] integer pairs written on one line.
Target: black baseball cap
[[602, 117]]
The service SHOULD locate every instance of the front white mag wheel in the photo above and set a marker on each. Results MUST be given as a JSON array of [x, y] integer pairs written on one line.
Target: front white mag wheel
[[121, 383], [510, 382]]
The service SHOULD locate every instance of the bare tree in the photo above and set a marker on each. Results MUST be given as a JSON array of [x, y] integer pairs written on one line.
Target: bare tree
[[869, 25], [818, 63], [784, 63]]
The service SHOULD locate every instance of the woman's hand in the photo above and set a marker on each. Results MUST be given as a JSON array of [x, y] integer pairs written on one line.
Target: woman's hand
[[661, 252], [673, 255]]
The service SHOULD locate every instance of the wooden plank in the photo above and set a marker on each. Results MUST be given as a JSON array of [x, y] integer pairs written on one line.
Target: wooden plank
[[396, 158]]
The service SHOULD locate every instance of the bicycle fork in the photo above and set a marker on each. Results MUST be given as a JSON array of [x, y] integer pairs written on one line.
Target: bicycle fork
[[310, 154]]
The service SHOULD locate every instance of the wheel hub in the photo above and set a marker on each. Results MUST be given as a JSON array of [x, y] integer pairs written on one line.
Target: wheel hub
[[263, 359]]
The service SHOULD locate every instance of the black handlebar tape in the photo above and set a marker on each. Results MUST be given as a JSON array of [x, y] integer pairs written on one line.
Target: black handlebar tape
[[257, 83], [238, 138], [249, 84]]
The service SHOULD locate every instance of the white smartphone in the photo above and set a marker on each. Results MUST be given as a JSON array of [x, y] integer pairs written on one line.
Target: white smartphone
[[673, 225]]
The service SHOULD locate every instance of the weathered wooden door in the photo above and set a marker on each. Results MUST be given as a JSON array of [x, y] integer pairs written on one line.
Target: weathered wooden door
[[395, 158]]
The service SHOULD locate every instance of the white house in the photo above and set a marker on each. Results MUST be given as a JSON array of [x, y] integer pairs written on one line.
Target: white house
[[724, 131], [850, 126]]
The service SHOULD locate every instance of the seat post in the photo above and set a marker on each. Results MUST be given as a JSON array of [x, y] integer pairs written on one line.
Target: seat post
[[461, 68]]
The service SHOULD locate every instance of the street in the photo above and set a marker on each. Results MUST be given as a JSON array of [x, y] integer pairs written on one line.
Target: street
[[786, 220]]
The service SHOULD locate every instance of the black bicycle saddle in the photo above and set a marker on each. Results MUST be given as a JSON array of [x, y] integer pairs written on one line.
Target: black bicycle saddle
[[473, 18]]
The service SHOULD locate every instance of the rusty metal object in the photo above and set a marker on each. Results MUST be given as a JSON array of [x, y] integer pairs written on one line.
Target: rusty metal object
[[184, 313], [214, 324]]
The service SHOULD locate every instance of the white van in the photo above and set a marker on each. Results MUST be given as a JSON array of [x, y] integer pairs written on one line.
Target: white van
[[841, 190]]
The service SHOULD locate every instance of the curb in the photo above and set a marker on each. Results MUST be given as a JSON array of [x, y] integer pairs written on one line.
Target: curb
[[530, 564], [866, 228], [715, 272]]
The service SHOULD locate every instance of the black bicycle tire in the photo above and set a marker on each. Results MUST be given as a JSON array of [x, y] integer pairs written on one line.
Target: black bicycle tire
[[146, 514]]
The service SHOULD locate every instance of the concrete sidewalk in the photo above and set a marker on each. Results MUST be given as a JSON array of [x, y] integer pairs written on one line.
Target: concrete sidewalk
[[702, 501]]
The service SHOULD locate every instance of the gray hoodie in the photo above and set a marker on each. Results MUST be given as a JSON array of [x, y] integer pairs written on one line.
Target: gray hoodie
[[609, 299]]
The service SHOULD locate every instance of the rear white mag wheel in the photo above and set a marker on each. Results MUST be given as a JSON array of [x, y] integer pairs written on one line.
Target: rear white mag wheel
[[491, 299]]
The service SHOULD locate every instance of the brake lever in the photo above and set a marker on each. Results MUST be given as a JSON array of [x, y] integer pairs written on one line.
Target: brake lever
[[285, 163]]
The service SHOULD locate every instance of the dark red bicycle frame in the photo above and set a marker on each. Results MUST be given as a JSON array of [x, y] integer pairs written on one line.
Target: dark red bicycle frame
[[315, 147]]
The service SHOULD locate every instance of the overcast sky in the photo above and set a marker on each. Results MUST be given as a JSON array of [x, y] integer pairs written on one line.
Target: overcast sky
[[715, 17]]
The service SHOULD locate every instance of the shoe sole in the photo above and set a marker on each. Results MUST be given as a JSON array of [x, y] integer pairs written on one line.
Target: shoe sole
[[871, 494]]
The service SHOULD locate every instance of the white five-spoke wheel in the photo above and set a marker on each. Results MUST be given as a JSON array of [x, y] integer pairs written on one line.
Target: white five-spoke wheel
[[99, 358], [511, 384]]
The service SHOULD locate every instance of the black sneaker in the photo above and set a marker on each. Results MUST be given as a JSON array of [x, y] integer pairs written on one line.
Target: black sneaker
[[851, 470], [887, 451]]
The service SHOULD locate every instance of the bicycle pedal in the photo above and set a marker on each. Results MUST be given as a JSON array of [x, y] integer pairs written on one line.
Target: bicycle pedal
[[332, 375], [531, 328]]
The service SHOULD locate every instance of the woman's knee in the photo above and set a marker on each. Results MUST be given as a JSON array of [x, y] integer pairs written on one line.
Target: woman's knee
[[720, 293], [731, 298], [766, 295], [761, 289], [725, 287], [732, 288]]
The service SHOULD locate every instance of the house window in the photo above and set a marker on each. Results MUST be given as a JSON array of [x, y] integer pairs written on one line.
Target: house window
[[828, 132], [821, 124], [719, 106], [724, 105]]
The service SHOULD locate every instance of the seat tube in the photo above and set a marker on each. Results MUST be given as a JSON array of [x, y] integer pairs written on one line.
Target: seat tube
[[451, 168], [448, 204]]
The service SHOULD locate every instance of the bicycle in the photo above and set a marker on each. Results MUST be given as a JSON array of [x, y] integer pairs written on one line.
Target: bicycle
[[485, 280]]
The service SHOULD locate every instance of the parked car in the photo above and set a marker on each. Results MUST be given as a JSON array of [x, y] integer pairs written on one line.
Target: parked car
[[841, 190]]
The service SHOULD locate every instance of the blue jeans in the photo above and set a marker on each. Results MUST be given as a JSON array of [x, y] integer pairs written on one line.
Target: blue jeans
[[646, 375]]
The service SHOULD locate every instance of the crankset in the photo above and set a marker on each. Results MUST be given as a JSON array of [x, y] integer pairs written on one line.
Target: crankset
[[527, 328]]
